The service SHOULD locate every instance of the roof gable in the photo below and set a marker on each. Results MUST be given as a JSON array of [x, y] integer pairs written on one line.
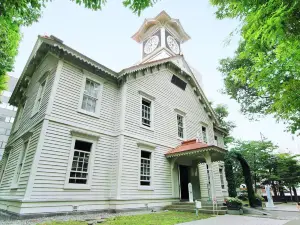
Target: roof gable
[[44, 45], [176, 64]]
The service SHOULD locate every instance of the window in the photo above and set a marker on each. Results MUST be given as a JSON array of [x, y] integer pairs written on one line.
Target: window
[[146, 112], [9, 119], [145, 173], [90, 96], [19, 118], [2, 118], [80, 162], [4, 131], [180, 126], [222, 177], [39, 97], [204, 134], [178, 82], [208, 174], [216, 140], [4, 162], [20, 164]]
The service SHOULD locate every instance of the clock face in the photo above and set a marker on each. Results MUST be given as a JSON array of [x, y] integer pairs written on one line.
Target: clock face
[[173, 45], [151, 44]]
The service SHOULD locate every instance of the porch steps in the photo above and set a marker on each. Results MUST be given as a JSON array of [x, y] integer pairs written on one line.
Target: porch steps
[[190, 207]]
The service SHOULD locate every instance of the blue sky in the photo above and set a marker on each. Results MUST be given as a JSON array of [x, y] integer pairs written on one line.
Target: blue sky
[[105, 36]]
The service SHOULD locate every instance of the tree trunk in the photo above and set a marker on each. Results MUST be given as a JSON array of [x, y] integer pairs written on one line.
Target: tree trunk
[[248, 180], [281, 192], [295, 194], [274, 189], [255, 182], [291, 193]]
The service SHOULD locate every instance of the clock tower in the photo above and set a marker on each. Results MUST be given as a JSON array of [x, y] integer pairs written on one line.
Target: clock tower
[[160, 37]]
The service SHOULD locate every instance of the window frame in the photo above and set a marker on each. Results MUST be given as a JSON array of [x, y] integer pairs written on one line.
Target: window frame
[[206, 134], [15, 180], [221, 167], [146, 187], [19, 117], [98, 80], [183, 126], [151, 100], [4, 164], [86, 138], [40, 93], [216, 140]]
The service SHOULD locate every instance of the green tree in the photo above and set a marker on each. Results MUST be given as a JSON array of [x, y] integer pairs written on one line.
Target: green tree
[[246, 171], [264, 74], [258, 154], [222, 114], [17, 13], [286, 172]]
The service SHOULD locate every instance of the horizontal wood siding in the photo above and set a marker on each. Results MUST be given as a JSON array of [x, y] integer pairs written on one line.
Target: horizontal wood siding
[[27, 121], [168, 97], [220, 139], [11, 166], [162, 181], [52, 168], [67, 98], [203, 180], [217, 180]]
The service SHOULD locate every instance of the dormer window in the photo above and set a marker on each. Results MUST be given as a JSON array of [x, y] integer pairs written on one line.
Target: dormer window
[[178, 82]]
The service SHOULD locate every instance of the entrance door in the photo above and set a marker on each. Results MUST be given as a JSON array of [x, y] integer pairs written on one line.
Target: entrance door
[[184, 181]]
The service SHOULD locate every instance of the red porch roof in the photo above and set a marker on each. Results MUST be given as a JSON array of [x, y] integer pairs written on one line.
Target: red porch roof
[[190, 145]]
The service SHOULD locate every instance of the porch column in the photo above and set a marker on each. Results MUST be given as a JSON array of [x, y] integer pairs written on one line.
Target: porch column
[[211, 175]]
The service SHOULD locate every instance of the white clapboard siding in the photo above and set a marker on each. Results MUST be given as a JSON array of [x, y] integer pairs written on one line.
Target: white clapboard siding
[[217, 180], [11, 166], [220, 139], [161, 176], [27, 121], [67, 98], [168, 97], [203, 180], [52, 168]]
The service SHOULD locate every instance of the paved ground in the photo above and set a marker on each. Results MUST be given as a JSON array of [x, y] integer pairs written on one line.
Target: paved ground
[[237, 220], [288, 207]]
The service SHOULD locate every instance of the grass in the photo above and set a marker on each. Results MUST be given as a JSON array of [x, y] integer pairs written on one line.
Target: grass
[[159, 218]]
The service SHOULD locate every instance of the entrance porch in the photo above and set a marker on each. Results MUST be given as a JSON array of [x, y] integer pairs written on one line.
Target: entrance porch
[[201, 165]]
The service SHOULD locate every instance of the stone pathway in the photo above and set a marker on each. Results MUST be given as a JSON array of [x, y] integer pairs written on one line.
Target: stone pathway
[[237, 220]]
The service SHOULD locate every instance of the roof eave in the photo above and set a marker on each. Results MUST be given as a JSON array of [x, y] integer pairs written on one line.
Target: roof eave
[[195, 151]]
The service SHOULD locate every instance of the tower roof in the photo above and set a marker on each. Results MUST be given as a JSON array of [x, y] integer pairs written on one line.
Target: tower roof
[[162, 19]]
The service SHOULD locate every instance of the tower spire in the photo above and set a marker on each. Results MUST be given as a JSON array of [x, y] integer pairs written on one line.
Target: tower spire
[[160, 37]]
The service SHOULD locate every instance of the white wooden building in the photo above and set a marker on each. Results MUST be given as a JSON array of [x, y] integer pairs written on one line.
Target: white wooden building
[[88, 138]]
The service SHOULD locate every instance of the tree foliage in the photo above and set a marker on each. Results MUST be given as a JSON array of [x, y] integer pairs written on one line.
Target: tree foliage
[[231, 181], [258, 155], [264, 74], [222, 114]]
